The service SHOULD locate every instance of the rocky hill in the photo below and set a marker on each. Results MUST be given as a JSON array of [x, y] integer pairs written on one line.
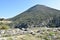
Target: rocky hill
[[37, 16]]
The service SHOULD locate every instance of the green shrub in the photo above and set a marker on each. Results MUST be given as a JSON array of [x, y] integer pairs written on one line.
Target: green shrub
[[46, 38], [51, 33], [9, 39], [3, 26]]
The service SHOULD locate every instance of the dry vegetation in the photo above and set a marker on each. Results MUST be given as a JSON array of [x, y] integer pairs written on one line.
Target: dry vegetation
[[37, 34]]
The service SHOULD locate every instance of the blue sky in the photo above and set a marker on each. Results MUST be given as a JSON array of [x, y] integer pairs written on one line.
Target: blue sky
[[11, 8]]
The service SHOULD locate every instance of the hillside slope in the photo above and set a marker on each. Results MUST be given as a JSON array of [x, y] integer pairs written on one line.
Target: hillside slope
[[38, 15]]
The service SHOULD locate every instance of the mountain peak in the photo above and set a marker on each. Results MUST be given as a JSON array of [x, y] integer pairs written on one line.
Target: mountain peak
[[36, 15], [37, 5]]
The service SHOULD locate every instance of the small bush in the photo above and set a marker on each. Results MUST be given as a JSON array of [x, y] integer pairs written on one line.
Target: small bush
[[3, 26], [51, 33], [9, 39]]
